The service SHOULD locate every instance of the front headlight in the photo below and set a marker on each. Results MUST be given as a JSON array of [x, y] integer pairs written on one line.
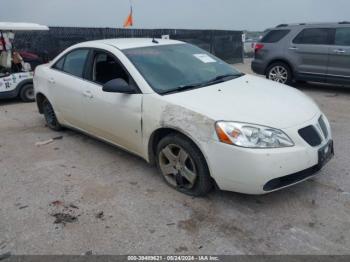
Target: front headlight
[[251, 136]]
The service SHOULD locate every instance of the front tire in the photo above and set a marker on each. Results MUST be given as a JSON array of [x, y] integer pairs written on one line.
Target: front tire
[[27, 93], [183, 166], [280, 72], [50, 116]]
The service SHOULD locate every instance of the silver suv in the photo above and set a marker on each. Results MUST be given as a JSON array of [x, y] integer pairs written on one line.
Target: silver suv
[[305, 52]]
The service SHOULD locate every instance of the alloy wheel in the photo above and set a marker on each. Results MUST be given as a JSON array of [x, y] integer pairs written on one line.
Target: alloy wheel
[[278, 74], [177, 166]]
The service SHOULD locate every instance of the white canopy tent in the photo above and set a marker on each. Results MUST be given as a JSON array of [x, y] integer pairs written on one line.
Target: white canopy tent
[[9, 26]]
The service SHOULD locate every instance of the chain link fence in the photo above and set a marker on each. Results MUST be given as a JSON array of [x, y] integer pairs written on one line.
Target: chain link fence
[[225, 44]]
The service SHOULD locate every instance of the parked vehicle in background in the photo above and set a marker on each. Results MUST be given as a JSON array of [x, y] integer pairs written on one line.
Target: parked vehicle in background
[[16, 67], [249, 47], [305, 52], [195, 116]]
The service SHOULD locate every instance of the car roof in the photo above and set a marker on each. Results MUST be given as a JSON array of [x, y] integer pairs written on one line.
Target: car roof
[[312, 25], [9, 26], [128, 43]]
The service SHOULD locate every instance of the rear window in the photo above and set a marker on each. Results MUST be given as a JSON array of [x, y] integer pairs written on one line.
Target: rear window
[[75, 61], [274, 36], [59, 64], [342, 36], [314, 36]]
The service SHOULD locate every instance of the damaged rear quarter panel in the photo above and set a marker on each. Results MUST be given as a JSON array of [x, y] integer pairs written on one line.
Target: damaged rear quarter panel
[[160, 113]]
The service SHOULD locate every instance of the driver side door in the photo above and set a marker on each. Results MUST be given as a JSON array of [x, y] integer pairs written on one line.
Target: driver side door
[[114, 117]]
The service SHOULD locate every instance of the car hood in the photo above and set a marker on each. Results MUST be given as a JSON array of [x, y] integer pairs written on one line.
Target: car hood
[[249, 99]]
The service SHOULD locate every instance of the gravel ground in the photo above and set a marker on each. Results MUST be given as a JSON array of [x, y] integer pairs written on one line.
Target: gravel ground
[[77, 195]]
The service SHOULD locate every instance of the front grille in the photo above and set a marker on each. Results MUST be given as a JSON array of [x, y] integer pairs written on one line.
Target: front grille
[[310, 135], [323, 126]]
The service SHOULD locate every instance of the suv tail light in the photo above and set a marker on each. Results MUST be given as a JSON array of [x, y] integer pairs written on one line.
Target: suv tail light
[[258, 47]]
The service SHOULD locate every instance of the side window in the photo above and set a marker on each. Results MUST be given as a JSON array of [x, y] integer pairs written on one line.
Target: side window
[[74, 62], [342, 36], [274, 36], [106, 68], [314, 36]]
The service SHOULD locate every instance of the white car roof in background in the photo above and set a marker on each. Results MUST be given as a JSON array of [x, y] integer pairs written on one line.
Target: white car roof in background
[[126, 43], [9, 26]]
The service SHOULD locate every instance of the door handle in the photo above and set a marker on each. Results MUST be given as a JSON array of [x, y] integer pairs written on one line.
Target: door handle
[[51, 80], [87, 94], [293, 48], [339, 51]]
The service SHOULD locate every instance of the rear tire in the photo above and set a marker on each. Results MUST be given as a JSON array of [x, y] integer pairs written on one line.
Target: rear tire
[[280, 72], [27, 93], [183, 166], [50, 116]]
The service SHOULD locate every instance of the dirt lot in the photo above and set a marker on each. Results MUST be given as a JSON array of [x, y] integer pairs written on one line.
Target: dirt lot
[[119, 205]]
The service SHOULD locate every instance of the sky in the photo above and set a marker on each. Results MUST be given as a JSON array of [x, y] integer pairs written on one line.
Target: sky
[[185, 14]]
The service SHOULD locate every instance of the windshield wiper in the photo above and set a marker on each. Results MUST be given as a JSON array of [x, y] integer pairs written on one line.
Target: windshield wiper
[[218, 79], [222, 78], [183, 88]]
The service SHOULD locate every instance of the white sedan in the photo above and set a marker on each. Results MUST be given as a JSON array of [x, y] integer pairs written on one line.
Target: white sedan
[[201, 121]]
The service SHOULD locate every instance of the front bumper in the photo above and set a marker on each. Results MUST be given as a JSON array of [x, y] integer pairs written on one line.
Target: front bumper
[[288, 180], [260, 171]]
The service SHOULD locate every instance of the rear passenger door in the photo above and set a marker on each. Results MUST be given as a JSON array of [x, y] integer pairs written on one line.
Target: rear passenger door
[[66, 86], [308, 52], [339, 57]]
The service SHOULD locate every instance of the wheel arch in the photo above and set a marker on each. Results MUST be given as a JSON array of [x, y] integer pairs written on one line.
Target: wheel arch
[[280, 60], [23, 83], [162, 132], [40, 98]]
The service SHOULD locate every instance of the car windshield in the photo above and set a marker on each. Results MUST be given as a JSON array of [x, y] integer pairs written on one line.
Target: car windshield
[[179, 67]]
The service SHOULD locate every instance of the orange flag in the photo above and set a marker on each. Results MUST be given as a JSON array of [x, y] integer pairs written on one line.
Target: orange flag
[[129, 21]]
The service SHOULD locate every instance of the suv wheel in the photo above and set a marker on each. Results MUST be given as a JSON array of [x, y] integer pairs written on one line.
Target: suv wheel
[[280, 72], [183, 166], [27, 93], [50, 116]]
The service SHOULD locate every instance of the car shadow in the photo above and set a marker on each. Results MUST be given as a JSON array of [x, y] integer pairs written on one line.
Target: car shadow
[[5, 102]]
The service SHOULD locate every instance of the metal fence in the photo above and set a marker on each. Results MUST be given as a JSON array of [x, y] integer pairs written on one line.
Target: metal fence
[[225, 44]]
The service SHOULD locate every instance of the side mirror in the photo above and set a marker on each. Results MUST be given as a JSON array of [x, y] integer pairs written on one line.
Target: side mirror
[[118, 85]]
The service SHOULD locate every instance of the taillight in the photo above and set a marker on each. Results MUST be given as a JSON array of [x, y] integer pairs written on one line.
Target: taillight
[[258, 47]]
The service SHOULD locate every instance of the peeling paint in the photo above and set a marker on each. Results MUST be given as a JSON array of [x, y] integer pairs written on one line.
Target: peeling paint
[[194, 124]]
